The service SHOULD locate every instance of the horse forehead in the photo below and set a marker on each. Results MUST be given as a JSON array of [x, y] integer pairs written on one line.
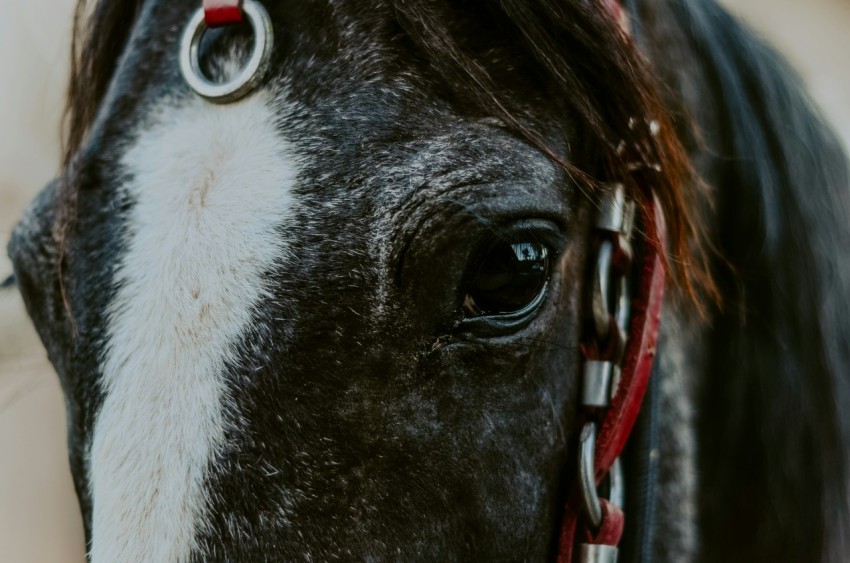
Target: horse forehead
[[211, 187], [220, 198]]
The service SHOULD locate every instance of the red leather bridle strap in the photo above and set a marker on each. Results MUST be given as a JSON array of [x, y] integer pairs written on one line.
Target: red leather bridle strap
[[598, 542], [222, 12], [641, 347], [625, 405]]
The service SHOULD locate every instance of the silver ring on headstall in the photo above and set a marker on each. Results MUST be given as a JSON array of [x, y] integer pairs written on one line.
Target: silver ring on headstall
[[251, 73]]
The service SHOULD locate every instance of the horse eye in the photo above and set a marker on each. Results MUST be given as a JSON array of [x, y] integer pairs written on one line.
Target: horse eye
[[510, 278]]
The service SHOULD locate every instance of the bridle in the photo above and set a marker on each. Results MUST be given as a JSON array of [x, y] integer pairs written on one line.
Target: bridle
[[621, 330], [619, 350]]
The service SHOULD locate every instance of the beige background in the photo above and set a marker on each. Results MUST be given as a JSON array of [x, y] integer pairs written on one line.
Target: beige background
[[38, 512]]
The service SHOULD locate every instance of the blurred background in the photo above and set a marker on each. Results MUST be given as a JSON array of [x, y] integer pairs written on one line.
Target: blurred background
[[39, 520]]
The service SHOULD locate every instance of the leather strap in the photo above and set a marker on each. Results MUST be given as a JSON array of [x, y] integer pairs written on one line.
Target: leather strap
[[637, 366], [619, 13], [222, 12], [611, 530], [641, 347]]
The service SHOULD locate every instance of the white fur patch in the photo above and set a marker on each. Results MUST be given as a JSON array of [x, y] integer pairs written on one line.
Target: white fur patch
[[212, 184]]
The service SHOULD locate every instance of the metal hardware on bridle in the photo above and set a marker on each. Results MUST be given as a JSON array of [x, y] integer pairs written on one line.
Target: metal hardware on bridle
[[215, 13], [613, 227], [609, 311], [623, 307], [606, 339], [595, 553]]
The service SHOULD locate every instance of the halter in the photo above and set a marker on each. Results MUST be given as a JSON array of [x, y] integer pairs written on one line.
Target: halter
[[622, 331]]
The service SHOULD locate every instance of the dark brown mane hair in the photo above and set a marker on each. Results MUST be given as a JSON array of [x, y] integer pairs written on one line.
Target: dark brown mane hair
[[100, 31], [577, 48]]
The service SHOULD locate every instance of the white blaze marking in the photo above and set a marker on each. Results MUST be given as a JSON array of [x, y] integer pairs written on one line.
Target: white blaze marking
[[212, 184]]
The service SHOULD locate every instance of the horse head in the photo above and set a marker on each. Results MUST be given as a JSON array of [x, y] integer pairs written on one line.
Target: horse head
[[343, 316]]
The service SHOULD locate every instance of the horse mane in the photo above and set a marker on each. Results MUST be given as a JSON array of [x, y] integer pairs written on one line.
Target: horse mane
[[576, 49], [100, 30], [775, 404]]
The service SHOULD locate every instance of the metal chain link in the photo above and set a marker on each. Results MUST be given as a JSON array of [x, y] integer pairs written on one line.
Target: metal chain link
[[609, 307]]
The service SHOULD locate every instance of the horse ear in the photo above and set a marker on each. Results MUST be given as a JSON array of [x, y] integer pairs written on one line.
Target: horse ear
[[34, 252]]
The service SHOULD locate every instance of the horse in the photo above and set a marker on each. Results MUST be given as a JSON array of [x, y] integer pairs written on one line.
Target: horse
[[345, 317]]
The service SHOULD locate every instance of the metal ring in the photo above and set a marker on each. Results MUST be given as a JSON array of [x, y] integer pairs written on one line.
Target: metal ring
[[251, 73], [623, 305], [587, 474], [600, 291], [617, 487]]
